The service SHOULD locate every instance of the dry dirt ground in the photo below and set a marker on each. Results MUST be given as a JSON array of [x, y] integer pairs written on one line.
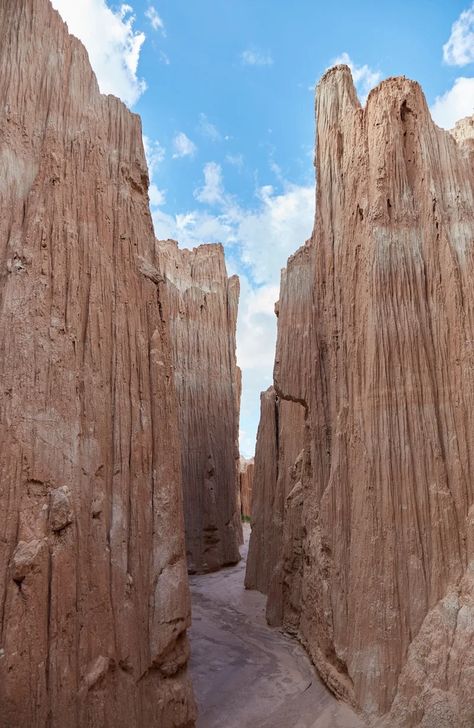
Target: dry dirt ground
[[246, 674]]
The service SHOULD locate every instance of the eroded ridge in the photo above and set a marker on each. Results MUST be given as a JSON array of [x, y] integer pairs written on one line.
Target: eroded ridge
[[203, 304], [363, 529], [94, 601]]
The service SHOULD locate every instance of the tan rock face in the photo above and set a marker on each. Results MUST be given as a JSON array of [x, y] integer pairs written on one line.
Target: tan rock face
[[376, 553], [203, 305], [246, 471], [260, 557], [93, 590], [464, 132], [273, 565]]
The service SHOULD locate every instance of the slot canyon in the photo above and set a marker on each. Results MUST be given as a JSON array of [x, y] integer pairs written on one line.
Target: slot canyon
[[151, 575]]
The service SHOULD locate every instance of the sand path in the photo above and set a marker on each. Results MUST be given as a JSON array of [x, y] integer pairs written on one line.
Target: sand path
[[246, 674]]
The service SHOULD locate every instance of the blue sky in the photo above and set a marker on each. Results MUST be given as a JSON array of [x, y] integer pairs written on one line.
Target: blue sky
[[225, 89]]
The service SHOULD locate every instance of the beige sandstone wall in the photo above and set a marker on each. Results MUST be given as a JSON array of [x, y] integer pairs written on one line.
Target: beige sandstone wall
[[376, 324], [246, 471], [202, 317], [94, 600]]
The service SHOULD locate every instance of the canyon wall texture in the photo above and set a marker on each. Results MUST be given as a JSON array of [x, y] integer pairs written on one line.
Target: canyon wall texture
[[246, 469], [273, 559], [203, 304], [368, 548], [94, 601]]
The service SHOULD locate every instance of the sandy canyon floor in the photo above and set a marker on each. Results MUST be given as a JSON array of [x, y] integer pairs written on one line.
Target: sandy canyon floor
[[247, 674]]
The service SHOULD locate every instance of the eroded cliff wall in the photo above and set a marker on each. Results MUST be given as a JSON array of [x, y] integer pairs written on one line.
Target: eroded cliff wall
[[202, 315], [378, 307], [246, 469], [94, 600]]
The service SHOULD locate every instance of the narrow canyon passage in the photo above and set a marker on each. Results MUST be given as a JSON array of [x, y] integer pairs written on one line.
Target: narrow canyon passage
[[246, 674]]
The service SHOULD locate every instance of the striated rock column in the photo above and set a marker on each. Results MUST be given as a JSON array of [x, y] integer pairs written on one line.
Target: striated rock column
[[203, 314], [274, 563], [377, 577], [246, 469], [260, 557], [94, 601]]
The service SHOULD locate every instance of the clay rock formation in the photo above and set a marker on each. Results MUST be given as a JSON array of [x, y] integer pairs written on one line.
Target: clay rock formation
[[463, 132], [246, 469], [368, 536], [203, 304], [94, 599]]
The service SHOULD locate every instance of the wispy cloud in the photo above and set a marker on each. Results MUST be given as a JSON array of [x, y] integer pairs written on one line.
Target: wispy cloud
[[212, 192], [258, 241], [276, 228], [154, 154], [155, 20], [208, 129], [254, 57], [191, 228], [183, 146], [265, 233], [459, 49], [256, 340], [236, 160], [365, 78], [112, 43], [157, 197]]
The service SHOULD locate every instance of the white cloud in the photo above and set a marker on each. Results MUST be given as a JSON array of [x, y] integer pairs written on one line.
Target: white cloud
[[256, 339], [154, 154], [208, 129], [155, 20], [281, 223], [212, 192], [164, 58], [257, 325], [236, 160], [458, 101], [157, 197], [258, 242], [265, 234], [191, 228], [459, 49], [365, 78], [256, 58], [112, 43], [262, 236], [455, 104], [247, 443], [276, 169], [183, 146]]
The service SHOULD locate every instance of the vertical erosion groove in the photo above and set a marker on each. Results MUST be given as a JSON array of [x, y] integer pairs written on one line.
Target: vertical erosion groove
[[93, 582], [375, 530]]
